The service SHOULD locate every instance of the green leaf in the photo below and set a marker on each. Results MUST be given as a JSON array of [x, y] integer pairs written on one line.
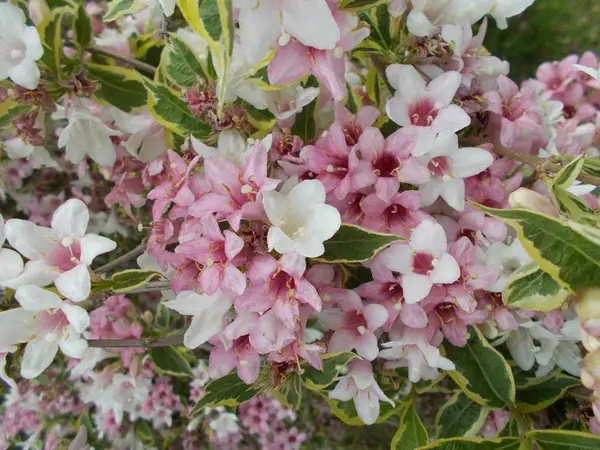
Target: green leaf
[[508, 443], [144, 432], [569, 252], [170, 361], [261, 119], [173, 113], [539, 393], [482, 372], [181, 64], [305, 125], [317, 380], [163, 316], [459, 417], [292, 391], [357, 5], [128, 280], [85, 421], [511, 429], [564, 440], [568, 174], [533, 289], [50, 31], [355, 244], [229, 390], [122, 88], [10, 110], [118, 8], [411, 433], [82, 28]]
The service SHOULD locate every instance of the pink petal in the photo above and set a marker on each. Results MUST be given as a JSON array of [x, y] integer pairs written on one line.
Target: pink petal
[[290, 62], [330, 72]]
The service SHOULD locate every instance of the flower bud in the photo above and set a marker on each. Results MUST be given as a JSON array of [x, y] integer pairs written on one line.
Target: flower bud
[[588, 309], [38, 10], [590, 371], [590, 342], [528, 199]]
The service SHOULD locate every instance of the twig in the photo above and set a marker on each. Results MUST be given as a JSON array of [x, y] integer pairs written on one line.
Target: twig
[[534, 161], [149, 342], [152, 286], [139, 65], [121, 259]]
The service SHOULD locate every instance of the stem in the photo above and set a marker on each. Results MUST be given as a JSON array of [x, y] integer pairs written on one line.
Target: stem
[[121, 259], [151, 287], [149, 342], [540, 164], [139, 65]]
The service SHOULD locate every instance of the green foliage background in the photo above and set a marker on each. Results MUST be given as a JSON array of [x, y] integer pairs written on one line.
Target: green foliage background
[[548, 30]]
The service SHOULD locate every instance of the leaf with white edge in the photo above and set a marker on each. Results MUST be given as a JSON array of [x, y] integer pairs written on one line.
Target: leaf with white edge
[[482, 372], [121, 87], [568, 174], [171, 362], [163, 316], [82, 28], [173, 113], [532, 289], [333, 363], [539, 393], [355, 244], [290, 392], [128, 280], [507, 443], [181, 64], [118, 8], [358, 5], [229, 390], [51, 37], [261, 119], [459, 417], [144, 431], [569, 252], [564, 440], [411, 433]]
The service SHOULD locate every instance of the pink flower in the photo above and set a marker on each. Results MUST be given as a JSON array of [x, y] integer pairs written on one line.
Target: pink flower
[[425, 108], [240, 354], [219, 254], [355, 326], [452, 320]]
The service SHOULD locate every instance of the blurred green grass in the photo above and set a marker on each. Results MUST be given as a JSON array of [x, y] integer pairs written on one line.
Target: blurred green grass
[[549, 30]]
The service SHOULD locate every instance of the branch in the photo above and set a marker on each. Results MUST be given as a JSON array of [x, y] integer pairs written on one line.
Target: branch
[[121, 259], [539, 164], [151, 287], [139, 65], [149, 342]]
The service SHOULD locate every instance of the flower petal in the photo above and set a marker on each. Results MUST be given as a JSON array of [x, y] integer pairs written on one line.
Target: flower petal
[[38, 355], [93, 245], [416, 287], [446, 271], [34, 298], [75, 284], [77, 317], [29, 239], [71, 219]]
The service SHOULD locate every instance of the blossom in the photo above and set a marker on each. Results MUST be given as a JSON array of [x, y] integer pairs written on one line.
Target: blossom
[[88, 134], [240, 354], [503, 9], [225, 424], [300, 219], [448, 166], [20, 47], [426, 108], [361, 386], [39, 156], [423, 262], [46, 323], [10, 261], [208, 312], [61, 254]]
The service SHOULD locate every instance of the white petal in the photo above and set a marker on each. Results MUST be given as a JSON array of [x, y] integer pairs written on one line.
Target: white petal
[[29, 239], [453, 191], [311, 22], [12, 19], [419, 25], [11, 263], [71, 219], [429, 237], [443, 88], [93, 245], [38, 355], [259, 29], [307, 192], [75, 284], [397, 110], [26, 74], [470, 161], [35, 298], [31, 38], [77, 316], [275, 205], [416, 287], [17, 148], [591, 72], [207, 325], [446, 271], [281, 242], [430, 192], [324, 222], [36, 272], [345, 390], [408, 82], [367, 407], [398, 258], [520, 346], [73, 346], [16, 326]]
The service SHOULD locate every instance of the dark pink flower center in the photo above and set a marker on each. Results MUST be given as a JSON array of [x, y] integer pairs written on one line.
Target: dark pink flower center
[[446, 312], [386, 165], [356, 322], [422, 113], [439, 166], [65, 258], [423, 263]]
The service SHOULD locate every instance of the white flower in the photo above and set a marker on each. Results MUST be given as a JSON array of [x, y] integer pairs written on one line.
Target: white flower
[[508, 258], [20, 47], [503, 9], [225, 424], [208, 312], [147, 137], [61, 254], [88, 134], [16, 148], [361, 386], [230, 146], [448, 166], [263, 22], [301, 221], [594, 73], [10, 261], [46, 323], [414, 351], [423, 262], [167, 6]]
